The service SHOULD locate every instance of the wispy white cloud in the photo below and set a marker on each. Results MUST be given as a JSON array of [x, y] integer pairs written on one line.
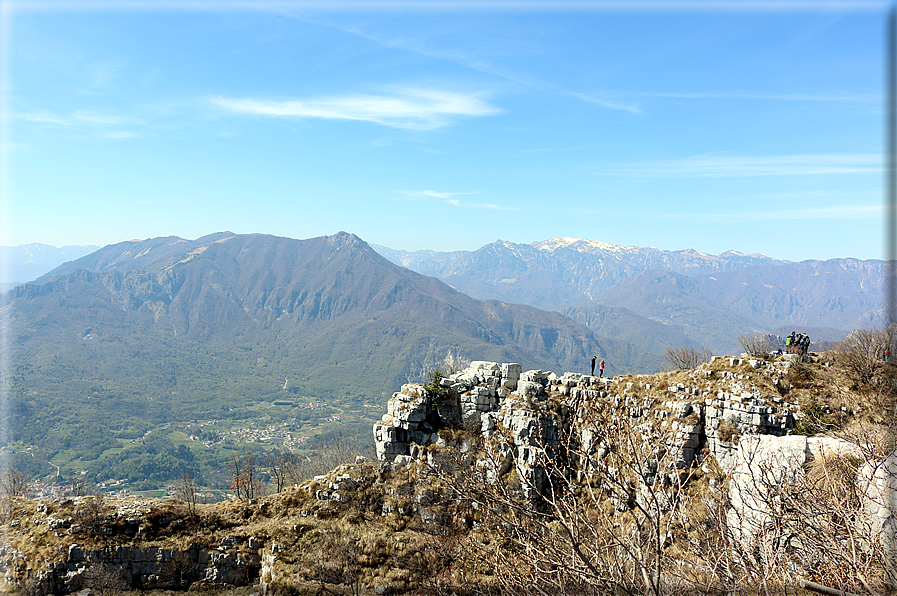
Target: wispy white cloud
[[410, 108], [44, 118], [89, 117], [432, 194], [605, 102], [448, 199], [458, 203], [735, 166], [83, 118], [483, 65]]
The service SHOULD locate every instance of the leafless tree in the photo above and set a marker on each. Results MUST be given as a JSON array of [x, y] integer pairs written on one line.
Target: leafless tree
[[755, 346], [279, 465], [178, 569], [616, 509], [813, 521], [106, 579], [340, 450], [186, 491], [90, 513], [862, 354], [336, 560], [13, 483], [245, 482], [686, 358], [77, 485], [453, 363], [426, 361], [597, 517]]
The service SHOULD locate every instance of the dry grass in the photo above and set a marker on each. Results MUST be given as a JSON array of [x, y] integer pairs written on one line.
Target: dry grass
[[346, 546]]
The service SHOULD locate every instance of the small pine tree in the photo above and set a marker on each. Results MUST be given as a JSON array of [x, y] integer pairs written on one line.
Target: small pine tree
[[435, 390]]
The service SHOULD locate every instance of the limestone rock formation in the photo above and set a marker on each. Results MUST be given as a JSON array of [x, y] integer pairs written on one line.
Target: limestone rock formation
[[704, 414], [877, 483], [768, 470], [531, 435], [233, 560], [412, 416]]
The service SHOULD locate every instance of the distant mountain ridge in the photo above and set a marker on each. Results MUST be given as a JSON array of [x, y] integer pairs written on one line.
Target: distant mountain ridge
[[166, 330], [710, 299], [559, 271], [19, 264]]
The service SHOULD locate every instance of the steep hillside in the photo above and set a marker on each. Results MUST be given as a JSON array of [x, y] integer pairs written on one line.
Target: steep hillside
[[678, 302], [621, 323], [832, 293], [332, 299], [170, 331]]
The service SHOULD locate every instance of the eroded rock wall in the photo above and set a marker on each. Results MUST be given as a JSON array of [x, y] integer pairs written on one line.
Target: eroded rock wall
[[489, 395], [130, 567]]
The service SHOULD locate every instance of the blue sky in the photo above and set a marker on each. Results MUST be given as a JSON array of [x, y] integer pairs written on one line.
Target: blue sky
[[447, 126]]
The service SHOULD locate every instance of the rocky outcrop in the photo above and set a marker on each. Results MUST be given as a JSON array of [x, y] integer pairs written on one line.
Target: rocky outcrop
[[731, 411], [761, 465], [109, 545], [129, 567], [536, 407], [769, 481], [877, 484], [413, 416]]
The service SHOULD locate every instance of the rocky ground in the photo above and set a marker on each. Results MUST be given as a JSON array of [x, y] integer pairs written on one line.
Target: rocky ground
[[467, 460]]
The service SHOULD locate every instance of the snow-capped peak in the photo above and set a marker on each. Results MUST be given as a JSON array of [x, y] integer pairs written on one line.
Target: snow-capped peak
[[579, 244]]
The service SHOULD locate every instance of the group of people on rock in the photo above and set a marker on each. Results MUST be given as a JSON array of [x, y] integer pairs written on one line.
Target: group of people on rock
[[797, 343], [600, 367]]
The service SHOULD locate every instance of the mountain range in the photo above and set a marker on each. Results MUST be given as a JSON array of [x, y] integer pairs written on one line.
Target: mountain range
[[698, 299], [167, 330], [138, 334]]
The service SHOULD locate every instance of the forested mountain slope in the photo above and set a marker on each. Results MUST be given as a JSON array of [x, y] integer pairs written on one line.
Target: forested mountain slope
[[170, 330]]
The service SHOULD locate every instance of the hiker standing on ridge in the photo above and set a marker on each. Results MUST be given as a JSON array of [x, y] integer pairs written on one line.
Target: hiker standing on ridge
[[593, 365], [601, 369]]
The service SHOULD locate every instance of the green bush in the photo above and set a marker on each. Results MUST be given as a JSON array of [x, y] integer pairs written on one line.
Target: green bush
[[435, 391], [813, 421]]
